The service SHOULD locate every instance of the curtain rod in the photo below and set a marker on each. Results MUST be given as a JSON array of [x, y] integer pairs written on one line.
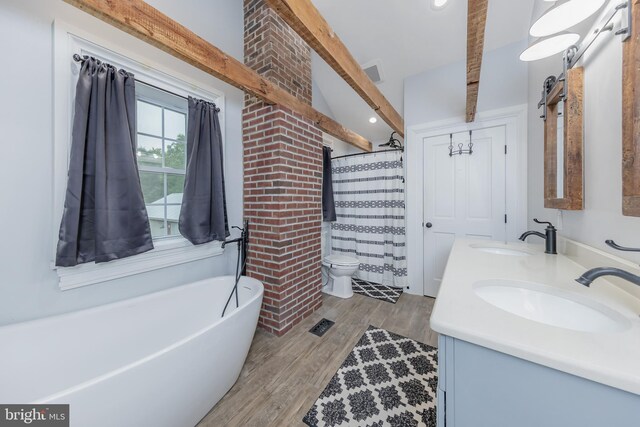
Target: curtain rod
[[162, 89], [79, 58], [371, 152]]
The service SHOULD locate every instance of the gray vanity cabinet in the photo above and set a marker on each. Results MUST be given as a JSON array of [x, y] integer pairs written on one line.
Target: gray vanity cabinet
[[479, 387]]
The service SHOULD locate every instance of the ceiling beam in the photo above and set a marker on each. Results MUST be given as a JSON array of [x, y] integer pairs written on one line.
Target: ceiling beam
[[149, 24], [306, 20], [476, 24]]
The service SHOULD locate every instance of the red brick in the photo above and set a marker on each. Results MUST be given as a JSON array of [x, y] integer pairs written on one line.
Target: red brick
[[282, 175]]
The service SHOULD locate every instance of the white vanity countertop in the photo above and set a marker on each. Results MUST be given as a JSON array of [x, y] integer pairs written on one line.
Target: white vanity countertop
[[611, 358]]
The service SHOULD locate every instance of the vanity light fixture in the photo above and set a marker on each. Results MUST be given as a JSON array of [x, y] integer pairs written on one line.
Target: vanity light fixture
[[549, 46], [564, 15], [438, 4], [372, 120]]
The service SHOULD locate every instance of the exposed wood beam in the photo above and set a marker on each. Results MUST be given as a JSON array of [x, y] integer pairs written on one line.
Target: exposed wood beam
[[306, 20], [476, 24], [631, 117], [149, 24]]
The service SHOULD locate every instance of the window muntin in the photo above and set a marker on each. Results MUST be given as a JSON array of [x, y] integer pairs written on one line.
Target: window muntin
[[162, 156]]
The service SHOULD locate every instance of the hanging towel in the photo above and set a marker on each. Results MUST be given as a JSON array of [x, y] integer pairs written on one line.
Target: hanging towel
[[328, 205]]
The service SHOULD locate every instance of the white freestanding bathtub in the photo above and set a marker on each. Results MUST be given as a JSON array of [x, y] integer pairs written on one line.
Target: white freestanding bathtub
[[163, 359]]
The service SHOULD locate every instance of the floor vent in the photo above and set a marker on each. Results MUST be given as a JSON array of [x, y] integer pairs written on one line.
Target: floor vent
[[321, 327]]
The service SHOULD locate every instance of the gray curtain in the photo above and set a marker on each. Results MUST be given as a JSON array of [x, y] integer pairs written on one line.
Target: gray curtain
[[203, 216], [104, 214], [328, 205]]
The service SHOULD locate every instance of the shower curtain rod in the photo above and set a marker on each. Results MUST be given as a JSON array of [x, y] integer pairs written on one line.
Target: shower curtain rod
[[370, 152]]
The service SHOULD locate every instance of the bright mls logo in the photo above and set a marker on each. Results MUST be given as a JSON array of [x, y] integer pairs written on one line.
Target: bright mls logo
[[34, 415]]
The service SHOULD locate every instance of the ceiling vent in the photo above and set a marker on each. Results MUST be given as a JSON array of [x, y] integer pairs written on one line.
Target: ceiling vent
[[373, 69]]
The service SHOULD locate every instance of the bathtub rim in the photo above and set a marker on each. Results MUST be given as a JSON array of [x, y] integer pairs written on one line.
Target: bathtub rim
[[107, 306], [254, 283]]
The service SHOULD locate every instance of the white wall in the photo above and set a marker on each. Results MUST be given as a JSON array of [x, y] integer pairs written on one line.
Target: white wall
[[319, 102], [440, 93], [602, 217], [28, 288], [341, 148]]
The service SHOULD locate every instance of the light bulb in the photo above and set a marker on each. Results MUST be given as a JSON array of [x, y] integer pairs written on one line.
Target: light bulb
[[438, 4]]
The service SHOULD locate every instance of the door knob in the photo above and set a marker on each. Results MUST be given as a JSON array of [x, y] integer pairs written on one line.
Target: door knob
[[428, 225]]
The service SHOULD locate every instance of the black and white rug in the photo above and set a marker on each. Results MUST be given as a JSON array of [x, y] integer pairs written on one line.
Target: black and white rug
[[386, 380], [376, 290]]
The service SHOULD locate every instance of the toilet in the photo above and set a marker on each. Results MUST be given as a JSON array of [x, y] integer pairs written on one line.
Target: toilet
[[337, 273]]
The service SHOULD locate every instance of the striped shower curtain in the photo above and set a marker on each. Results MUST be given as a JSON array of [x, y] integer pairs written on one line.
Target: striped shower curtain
[[369, 198]]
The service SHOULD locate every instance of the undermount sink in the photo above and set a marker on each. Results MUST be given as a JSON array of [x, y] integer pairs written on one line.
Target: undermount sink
[[550, 306], [499, 250]]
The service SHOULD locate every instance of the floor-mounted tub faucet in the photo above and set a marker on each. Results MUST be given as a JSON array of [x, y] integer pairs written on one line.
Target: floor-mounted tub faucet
[[549, 236]]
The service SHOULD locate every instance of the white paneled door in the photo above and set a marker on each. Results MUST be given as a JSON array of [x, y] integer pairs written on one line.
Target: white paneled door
[[464, 195]]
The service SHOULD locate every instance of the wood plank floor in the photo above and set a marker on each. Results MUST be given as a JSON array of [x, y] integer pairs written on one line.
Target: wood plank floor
[[282, 377]]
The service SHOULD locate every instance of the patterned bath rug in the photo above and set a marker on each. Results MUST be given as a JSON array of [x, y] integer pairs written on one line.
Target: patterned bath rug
[[386, 380], [376, 290]]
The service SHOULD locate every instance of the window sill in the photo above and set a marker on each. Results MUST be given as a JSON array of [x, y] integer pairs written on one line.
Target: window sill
[[165, 254]]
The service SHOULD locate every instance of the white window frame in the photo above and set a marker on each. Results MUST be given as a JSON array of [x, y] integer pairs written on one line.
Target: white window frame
[[164, 170], [168, 251]]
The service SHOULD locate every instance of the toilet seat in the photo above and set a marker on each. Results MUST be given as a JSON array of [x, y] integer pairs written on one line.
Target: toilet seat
[[340, 261]]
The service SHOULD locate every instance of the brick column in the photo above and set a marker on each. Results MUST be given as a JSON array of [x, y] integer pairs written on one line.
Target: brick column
[[282, 175]]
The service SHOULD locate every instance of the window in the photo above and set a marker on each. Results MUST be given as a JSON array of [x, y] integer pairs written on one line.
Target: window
[[162, 156], [161, 103]]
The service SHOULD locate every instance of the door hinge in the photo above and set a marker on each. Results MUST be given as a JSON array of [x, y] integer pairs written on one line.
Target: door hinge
[[505, 149], [505, 218]]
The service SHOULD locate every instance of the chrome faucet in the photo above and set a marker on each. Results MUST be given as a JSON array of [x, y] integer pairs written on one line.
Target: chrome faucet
[[549, 236], [588, 277]]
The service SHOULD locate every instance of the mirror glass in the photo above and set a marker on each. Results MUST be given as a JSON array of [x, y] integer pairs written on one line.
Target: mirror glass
[[560, 151]]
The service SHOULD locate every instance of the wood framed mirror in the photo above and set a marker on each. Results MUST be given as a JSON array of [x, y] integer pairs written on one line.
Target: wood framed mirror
[[563, 179], [631, 117]]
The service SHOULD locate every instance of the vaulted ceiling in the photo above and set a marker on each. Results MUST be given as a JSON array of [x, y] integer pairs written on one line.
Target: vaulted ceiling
[[407, 37]]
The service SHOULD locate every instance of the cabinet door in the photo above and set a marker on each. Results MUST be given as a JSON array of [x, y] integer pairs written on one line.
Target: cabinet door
[[494, 389], [445, 408]]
